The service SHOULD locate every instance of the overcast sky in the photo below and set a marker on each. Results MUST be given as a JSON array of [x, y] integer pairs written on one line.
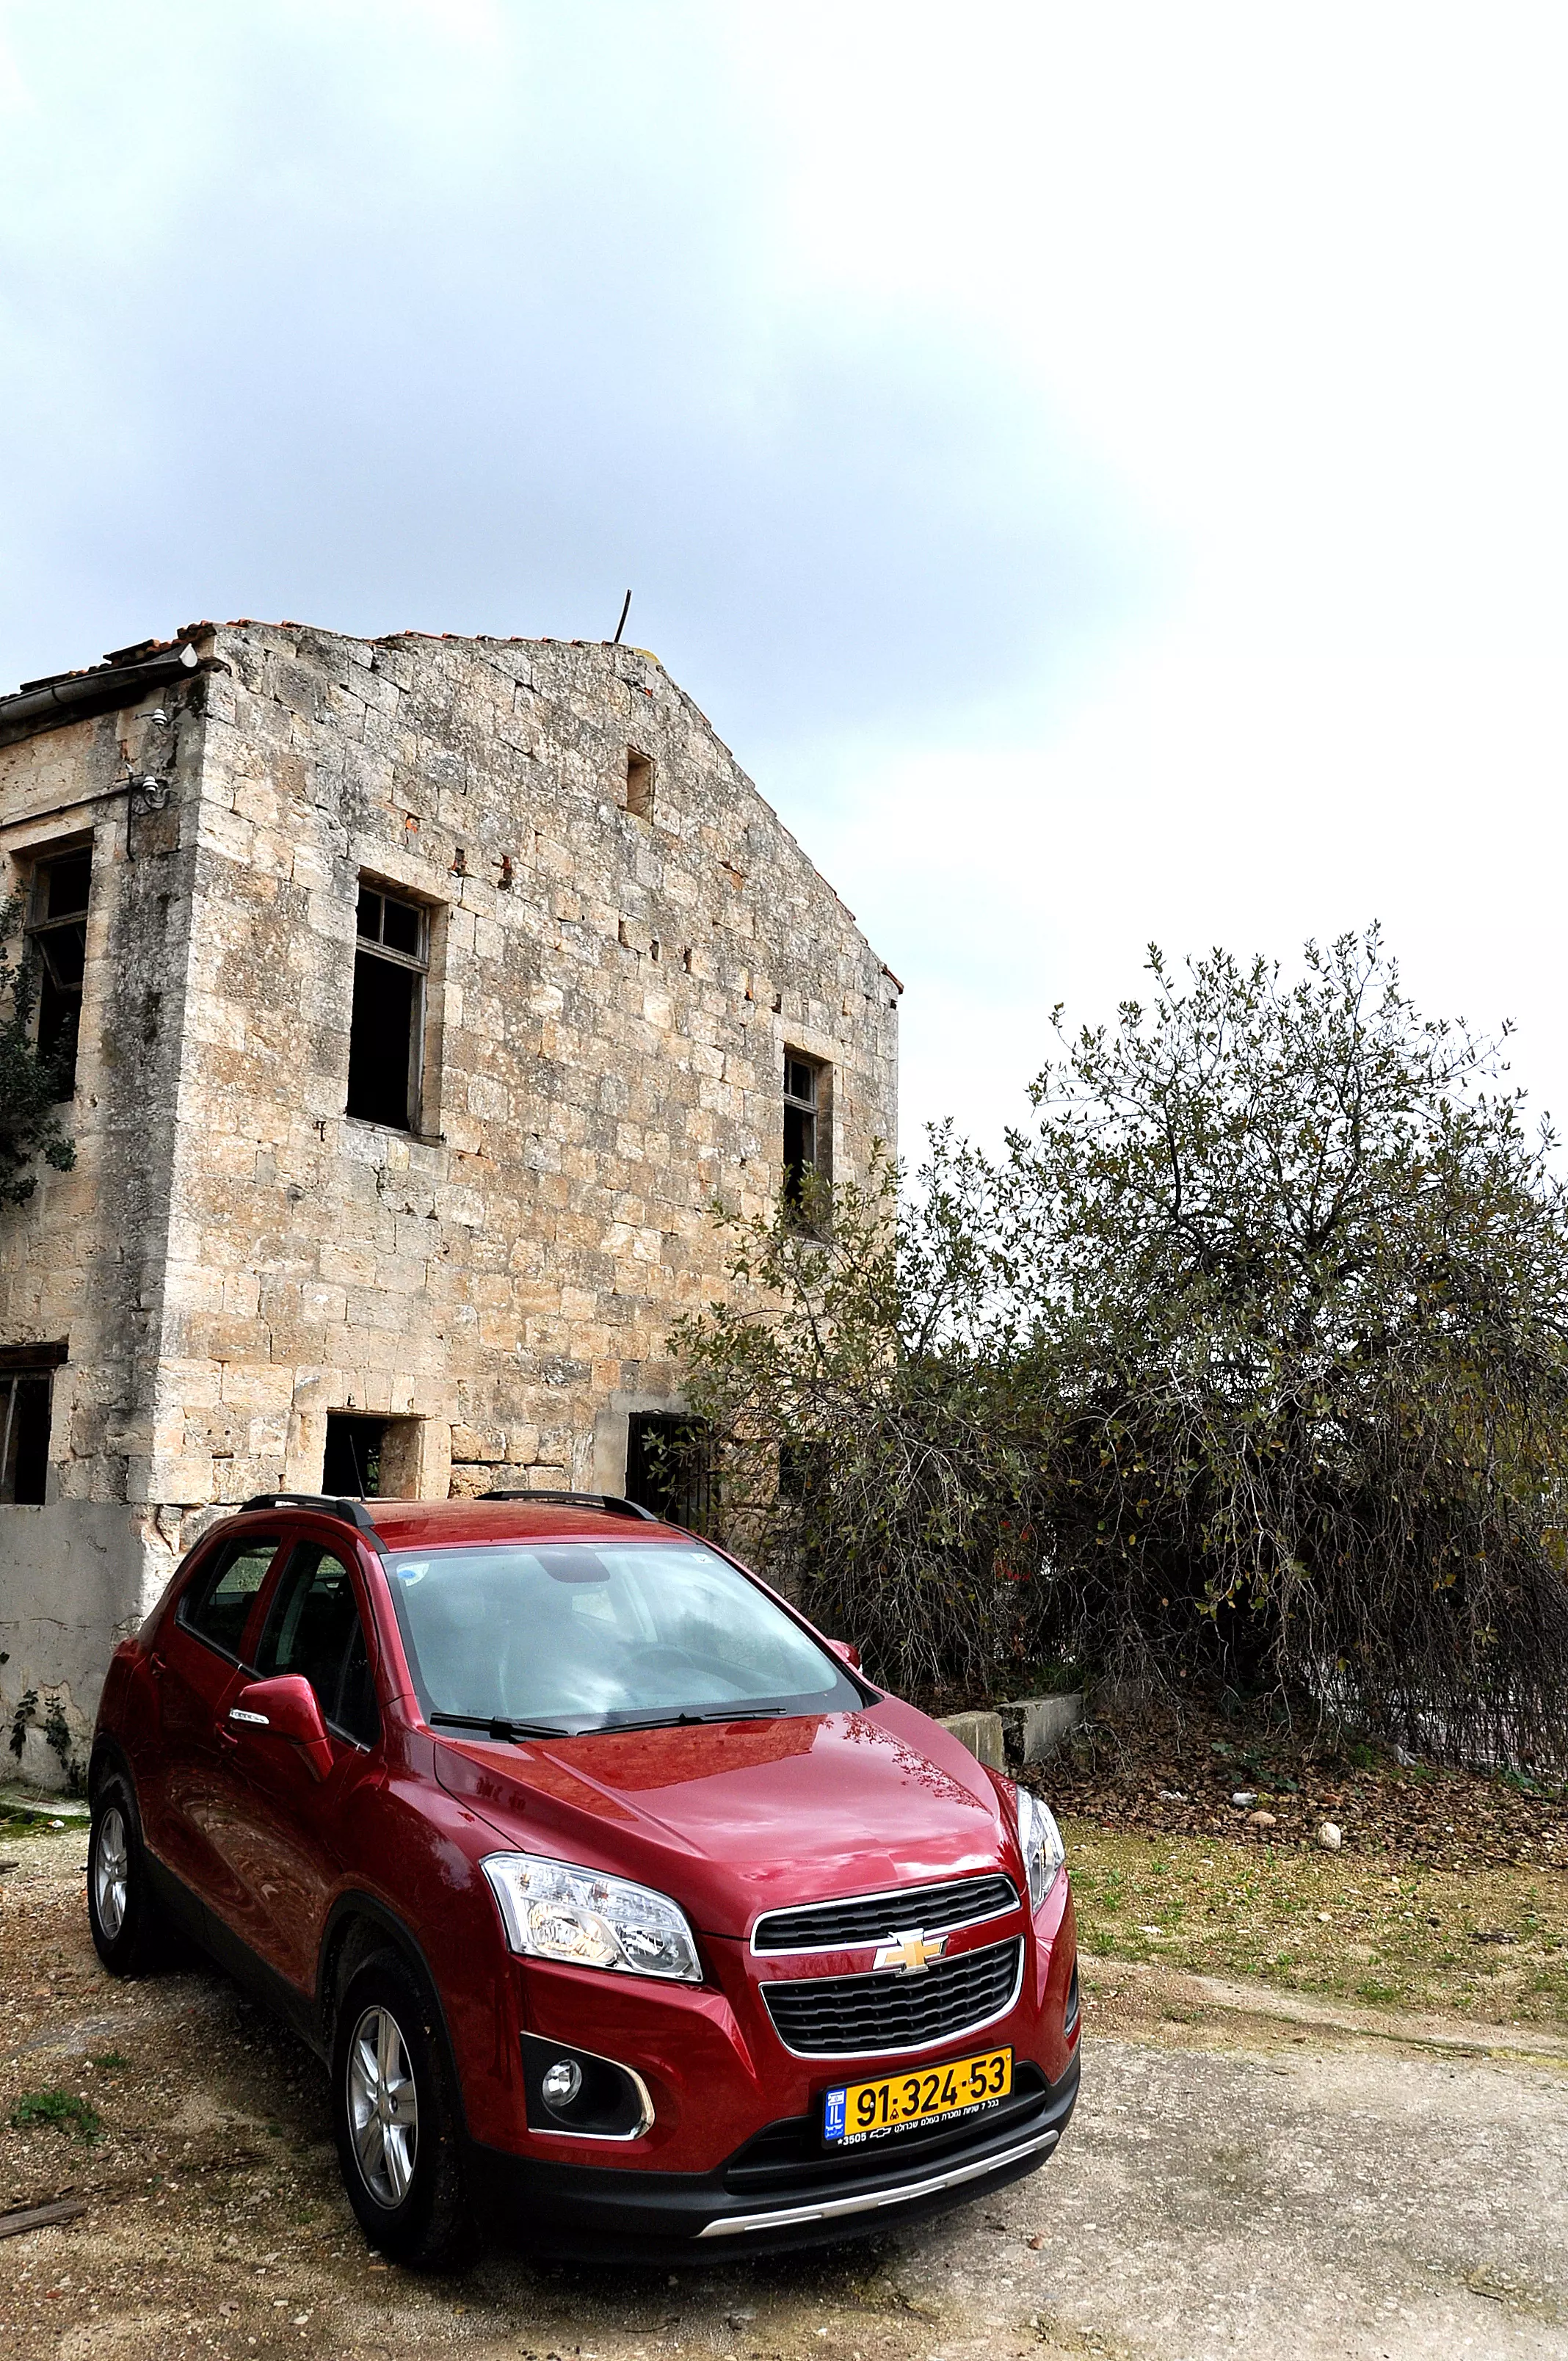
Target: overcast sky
[[1103, 470]]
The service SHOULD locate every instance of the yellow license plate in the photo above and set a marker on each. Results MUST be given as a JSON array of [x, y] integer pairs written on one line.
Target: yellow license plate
[[897, 2103]]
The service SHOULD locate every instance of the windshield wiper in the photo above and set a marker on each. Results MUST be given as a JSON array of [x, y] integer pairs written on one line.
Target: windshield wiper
[[499, 1726], [689, 1720]]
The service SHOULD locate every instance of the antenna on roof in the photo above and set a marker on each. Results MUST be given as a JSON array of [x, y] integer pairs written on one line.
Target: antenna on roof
[[626, 609]]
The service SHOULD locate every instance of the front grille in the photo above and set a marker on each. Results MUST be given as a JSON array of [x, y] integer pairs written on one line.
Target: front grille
[[790, 2155], [856, 2016], [845, 1926]]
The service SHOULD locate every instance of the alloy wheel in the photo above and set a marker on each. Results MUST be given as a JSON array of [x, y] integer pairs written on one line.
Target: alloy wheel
[[383, 2106], [110, 1871]]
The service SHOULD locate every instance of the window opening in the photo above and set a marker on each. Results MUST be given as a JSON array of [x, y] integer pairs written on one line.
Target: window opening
[[217, 1604], [803, 1471], [669, 1467], [24, 1436], [57, 934], [313, 1628], [801, 1095], [352, 1469], [638, 785], [386, 1031]]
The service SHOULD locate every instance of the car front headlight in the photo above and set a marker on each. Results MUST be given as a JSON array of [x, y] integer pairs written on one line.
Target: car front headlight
[[1039, 1840], [553, 1911]]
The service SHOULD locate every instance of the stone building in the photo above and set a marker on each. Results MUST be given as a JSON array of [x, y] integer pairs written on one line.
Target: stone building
[[417, 995]]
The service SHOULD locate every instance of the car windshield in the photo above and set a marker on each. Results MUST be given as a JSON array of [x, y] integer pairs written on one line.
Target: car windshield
[[570, 1636]]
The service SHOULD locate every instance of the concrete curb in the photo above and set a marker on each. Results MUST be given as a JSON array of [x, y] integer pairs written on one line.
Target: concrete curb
[[1518, 2042], [1036, 1727], [981, 1734]]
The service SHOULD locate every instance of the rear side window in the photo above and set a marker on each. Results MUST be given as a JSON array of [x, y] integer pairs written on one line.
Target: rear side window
[[217, 1604], [313, 1628]]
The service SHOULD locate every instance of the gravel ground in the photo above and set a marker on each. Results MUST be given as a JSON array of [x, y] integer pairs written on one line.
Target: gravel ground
[[1248, 2175]]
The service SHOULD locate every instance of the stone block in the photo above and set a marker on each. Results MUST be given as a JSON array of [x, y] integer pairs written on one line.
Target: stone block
[[1035, 1727], [472, 1482], [981, 1734], [468, 1443]]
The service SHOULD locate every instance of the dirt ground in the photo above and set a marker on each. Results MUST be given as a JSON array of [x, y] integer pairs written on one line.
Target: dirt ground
[[1250, 2174], [1160, 1770]]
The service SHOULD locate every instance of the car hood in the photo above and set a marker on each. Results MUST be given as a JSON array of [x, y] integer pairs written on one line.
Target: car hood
[[737, 1817]]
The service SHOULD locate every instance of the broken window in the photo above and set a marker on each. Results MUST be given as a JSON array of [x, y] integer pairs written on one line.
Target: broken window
[[57, 934], [352, 1469], [638, 785], [24, 1435], [669, 1466], [385, 1034], [804, 1139]]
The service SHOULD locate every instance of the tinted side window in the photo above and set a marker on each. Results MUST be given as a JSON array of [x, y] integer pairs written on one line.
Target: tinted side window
[[218, 1603], [313, 1628]]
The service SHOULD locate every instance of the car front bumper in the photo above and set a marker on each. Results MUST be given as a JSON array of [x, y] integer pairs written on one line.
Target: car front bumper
[[603, 2215]]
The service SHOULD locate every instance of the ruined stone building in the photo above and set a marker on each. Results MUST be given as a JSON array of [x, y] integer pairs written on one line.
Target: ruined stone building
[[416, 996]]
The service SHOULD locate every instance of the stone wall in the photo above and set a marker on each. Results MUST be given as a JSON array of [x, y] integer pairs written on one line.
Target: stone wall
[[610, 1002], [83, 1262], [610, 997]]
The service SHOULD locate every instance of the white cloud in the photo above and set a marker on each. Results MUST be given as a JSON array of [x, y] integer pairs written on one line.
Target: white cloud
[[1104, 468]]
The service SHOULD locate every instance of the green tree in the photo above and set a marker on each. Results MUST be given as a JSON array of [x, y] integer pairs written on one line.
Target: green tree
[[29, 1085], [1247, 1361], [1296, 1278], [863, 1448]]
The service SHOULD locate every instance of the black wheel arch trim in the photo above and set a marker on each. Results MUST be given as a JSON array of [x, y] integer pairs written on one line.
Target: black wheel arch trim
[[107, 1757], [356, 1906]]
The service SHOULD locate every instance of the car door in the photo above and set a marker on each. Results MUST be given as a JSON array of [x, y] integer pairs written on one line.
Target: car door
[[292, 1844], [197, 1666]]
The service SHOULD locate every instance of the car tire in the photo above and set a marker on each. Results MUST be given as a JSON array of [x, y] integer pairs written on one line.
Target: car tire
[[121, 1912], [397, 2123]]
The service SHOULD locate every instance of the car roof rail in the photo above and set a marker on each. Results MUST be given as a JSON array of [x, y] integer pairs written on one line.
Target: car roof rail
[[610, 1502], [349, 1512]]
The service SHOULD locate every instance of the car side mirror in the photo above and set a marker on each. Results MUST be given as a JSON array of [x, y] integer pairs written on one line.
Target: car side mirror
[[283, 1707], [848, 1651]]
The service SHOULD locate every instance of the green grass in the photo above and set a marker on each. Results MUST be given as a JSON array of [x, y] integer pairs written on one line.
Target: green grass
[[19, 1820], [1335, 1924], [62, 2109]]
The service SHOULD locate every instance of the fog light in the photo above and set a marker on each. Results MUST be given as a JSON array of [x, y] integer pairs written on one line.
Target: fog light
[[562, 2083]]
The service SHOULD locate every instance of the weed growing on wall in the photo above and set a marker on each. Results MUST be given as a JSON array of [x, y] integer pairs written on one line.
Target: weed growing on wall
[[46, 1714]]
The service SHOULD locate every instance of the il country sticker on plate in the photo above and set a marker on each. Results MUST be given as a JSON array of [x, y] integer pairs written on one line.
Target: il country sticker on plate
[[899, 2102]]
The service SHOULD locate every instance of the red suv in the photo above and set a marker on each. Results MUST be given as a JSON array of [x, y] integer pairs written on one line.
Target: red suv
[[625, 1910]]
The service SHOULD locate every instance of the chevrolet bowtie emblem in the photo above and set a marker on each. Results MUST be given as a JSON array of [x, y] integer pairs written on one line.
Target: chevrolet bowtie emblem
[[912, 1954]]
